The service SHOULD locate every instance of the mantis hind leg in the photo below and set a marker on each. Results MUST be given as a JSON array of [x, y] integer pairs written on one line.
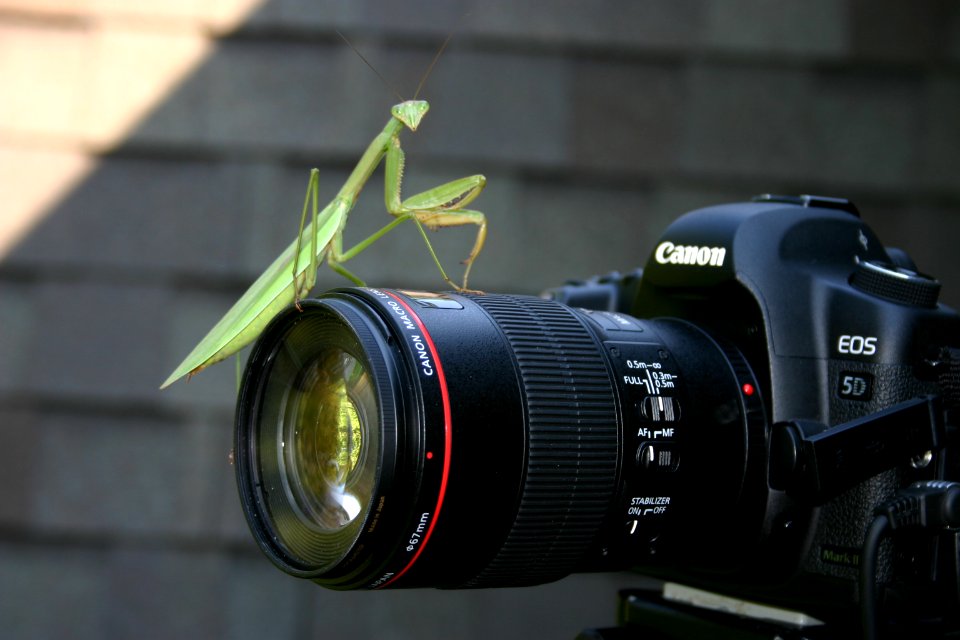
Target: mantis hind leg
[[337, 256], [302, 284]]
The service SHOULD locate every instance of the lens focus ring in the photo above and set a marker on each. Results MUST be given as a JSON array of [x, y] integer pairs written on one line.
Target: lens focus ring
[[572, 440]]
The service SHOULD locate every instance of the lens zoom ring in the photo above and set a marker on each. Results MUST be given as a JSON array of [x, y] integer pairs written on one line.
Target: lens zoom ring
[[572, 441]]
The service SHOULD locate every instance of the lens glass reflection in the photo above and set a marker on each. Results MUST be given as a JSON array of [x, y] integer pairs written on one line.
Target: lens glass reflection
[[325, 449], [318, 442]]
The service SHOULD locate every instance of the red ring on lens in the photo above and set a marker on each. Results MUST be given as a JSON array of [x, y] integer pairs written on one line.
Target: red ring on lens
[[447, 437]]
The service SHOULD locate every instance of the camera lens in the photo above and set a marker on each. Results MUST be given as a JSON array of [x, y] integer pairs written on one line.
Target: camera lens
[[400, 439]]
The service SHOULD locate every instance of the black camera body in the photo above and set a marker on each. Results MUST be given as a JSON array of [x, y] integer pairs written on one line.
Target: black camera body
[[731, 417], [835, 329]]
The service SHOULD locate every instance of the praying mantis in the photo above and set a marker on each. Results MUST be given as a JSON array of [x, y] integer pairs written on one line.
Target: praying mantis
[[293, 274]]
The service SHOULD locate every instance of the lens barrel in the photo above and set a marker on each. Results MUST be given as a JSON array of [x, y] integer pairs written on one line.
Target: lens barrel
[[404, 439]]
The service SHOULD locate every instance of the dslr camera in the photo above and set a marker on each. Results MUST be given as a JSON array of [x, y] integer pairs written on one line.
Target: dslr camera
[[765, 415]]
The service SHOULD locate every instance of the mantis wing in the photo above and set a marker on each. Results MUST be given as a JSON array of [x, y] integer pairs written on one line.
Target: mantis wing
[[267, 296]]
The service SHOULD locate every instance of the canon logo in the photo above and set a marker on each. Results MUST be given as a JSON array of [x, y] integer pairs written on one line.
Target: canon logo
[[669, 253]]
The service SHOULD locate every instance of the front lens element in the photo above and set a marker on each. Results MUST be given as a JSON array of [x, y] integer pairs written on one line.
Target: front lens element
[[318, 441], [323, 441]]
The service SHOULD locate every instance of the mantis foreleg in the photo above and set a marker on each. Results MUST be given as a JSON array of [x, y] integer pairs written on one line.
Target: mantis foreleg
[[435, 208], [456, 217]]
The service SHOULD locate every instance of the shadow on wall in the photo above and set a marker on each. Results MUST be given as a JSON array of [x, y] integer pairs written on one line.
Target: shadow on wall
[[118, 514]]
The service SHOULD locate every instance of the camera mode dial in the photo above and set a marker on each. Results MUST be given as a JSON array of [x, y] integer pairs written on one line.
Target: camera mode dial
[[896, 284]]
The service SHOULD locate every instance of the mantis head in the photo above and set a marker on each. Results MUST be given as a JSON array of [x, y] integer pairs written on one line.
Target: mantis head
[[410, 112]]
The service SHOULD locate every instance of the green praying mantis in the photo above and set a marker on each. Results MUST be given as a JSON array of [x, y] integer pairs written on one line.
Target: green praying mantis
[[293, 274]]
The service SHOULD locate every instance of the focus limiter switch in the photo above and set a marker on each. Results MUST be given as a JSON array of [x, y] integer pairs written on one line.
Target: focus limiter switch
[[660, 408]]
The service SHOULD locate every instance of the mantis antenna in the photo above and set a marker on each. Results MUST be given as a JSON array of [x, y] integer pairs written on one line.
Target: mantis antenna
[[372, 68], [426, 74]]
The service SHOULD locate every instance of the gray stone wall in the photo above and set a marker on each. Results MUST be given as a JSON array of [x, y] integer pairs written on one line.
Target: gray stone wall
[[596, 123]]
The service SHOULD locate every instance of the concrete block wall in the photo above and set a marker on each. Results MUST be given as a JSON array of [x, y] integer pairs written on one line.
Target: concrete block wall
[[153, 159]]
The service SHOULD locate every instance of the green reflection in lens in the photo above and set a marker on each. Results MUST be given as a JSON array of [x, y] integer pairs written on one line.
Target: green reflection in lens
[[329, 465]]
